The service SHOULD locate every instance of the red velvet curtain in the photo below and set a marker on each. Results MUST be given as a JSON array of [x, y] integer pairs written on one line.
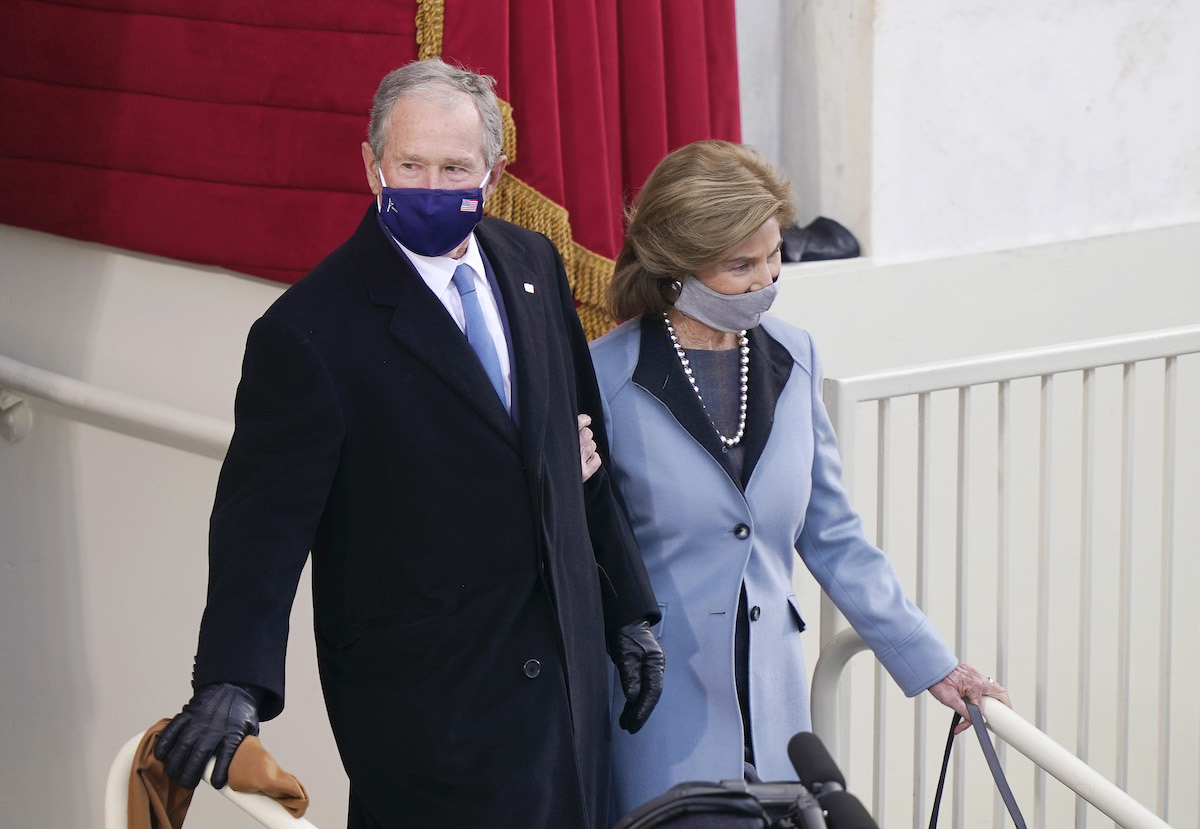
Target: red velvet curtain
[[226, 132], [220, 132]]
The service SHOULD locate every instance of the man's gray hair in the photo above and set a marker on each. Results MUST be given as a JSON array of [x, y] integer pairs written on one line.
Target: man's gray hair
[[435, 77]]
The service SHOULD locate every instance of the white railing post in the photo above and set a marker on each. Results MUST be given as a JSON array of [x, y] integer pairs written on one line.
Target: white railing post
[[1166, 579], [839, 403]]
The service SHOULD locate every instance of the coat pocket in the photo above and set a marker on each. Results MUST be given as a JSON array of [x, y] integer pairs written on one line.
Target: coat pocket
[[658, 629], [405, 631], [795, 604]]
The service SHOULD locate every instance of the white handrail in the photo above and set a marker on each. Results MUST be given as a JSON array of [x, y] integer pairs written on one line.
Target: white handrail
[[116, 790], [119, 412], [1067, 768], [827, 673], [263, 808], [1033, 362], [1005, 722]]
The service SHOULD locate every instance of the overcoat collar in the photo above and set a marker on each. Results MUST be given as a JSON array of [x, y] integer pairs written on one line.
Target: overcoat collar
[[658, 371], [422, 325]]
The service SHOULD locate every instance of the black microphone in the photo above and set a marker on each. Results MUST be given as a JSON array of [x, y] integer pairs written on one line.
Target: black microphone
[[844, 811], [815, 768], [821, 776]]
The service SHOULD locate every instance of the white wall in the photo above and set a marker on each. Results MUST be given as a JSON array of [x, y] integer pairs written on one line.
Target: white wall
[[965, 125]]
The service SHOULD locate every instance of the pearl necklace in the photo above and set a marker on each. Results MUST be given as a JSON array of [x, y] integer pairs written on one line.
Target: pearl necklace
[[745, 376]]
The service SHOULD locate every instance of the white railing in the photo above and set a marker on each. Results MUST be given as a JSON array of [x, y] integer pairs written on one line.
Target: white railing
[[115, 411], [967, 487], [1006, 723]]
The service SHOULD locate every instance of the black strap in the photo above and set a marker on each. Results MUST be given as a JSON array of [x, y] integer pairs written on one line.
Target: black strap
[[993, 763]]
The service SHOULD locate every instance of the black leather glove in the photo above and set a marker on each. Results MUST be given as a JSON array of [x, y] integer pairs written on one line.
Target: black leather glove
[[640, 664], [214, 722]]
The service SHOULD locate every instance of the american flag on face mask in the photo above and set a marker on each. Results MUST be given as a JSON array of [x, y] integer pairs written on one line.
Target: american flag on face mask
[[469, 205]]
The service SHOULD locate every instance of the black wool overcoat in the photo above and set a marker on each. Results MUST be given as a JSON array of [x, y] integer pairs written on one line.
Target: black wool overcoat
[[463, 576]]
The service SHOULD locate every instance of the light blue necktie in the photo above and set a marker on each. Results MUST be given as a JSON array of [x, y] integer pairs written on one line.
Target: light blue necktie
[[477, 331]]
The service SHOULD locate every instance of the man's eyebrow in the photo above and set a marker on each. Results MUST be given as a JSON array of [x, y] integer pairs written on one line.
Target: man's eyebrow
[[426, 161]]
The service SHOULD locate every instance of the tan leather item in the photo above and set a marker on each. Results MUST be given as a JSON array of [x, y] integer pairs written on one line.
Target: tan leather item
[[158, 802], [254, 770]]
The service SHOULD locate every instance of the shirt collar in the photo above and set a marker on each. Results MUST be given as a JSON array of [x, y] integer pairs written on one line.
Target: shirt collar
[[437, 271]]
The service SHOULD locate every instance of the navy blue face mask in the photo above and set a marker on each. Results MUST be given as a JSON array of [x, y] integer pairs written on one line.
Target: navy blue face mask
[[430, 222]]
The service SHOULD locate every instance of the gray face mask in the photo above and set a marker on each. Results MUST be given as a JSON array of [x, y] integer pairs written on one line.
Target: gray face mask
[[724, 312]]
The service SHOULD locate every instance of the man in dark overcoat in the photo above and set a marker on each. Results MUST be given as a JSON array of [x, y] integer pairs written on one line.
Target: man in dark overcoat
[[413, 412]]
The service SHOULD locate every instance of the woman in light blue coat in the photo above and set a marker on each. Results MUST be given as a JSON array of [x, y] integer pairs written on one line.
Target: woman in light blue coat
[[728, 466]]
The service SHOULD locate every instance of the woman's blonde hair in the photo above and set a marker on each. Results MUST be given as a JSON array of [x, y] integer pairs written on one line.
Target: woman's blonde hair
[[700, 203]]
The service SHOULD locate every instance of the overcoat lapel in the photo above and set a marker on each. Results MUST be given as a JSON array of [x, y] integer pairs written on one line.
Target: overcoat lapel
[[658, 372], [424, 327], [770, 367], [527, 328]]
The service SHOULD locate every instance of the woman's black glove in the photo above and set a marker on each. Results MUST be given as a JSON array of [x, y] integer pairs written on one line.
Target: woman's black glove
[[214, 722], [640, 664]]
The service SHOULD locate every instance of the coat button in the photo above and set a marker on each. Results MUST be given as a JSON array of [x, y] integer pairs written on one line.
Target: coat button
[[532, 668], [755, 612], [741, 531]]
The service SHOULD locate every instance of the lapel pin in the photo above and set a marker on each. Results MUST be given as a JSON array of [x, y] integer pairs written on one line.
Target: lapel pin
[[529, 287]]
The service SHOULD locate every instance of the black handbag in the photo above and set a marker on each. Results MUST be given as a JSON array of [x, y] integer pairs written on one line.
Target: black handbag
[[993, 762]]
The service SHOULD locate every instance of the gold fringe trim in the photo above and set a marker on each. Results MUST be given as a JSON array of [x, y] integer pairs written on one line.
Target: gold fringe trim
[[588, 273], [589, 277], [509, 147], [517, 202], [431, 21]]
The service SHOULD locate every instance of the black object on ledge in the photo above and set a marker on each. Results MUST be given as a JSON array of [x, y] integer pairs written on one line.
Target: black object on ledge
[[822, 239]]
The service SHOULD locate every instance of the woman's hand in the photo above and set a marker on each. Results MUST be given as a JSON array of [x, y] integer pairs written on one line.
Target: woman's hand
[[588, 458], [965, 681]]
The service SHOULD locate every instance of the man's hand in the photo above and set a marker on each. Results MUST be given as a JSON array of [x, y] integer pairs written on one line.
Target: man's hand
[[588, 458], [640, 664], [214, 722], [965, 681]]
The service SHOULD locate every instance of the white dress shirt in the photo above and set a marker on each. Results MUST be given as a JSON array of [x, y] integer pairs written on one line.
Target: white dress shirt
[[438, 271]]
